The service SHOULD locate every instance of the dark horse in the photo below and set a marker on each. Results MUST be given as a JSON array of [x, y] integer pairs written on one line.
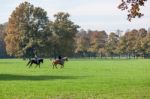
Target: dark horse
[[34, 61], [59, 61]]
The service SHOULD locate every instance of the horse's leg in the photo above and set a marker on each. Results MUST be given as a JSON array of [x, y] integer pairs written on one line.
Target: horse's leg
[[28, 63], [53, 66], [39, 65], [56, 66], [62, 65], [36, 65]]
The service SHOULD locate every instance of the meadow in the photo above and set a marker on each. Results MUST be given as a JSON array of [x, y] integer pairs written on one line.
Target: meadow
[[79, 79]]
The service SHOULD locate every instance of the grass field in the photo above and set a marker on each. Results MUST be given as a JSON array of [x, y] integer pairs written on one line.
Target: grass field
[[79, 79]]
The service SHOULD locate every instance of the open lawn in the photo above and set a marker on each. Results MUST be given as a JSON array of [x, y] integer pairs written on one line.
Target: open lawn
[[79, 79]]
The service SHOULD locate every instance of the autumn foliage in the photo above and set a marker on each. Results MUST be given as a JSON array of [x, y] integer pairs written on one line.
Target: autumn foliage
[[133, 7]]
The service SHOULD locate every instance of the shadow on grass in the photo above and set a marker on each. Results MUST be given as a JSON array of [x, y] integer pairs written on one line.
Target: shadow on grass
[[10, 77], [9, 62]]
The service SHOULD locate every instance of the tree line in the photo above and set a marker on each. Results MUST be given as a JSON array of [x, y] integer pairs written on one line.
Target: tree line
[[133, 43], [29, 31]]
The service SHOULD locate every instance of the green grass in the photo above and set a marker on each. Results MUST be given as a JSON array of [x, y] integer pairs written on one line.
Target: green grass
[[79, 79]]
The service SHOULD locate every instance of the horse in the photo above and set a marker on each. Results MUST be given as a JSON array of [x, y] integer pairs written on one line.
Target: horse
[[59, 61], [37, 62]]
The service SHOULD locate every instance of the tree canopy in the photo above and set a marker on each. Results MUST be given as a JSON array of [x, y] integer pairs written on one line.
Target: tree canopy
[[27, 27], [64, 30], [133, 7]]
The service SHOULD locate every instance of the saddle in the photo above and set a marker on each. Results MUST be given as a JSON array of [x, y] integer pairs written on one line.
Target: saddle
[[58, 61]]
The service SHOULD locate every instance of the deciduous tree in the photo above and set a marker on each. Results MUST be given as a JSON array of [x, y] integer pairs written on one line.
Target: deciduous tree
[[82, 43], [112, 44], [27, 30], [64, 30], [3, 53], [133, 7]]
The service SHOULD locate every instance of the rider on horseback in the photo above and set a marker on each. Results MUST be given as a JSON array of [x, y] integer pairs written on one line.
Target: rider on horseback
[[60, 58]]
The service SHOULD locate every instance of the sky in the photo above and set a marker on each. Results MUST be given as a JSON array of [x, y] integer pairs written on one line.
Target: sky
[[88, 14]]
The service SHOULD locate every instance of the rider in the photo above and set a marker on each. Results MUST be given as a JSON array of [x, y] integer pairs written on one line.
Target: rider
[[59, 58], [36, 58]]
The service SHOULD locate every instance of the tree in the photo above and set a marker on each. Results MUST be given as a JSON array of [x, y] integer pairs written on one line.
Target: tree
[[64, 31], [121, 49], [141, 42], [97, 42], [2, 43], [82, 43], [147, 43], [131, 38], [133, 7], [27, 30], [112, 44]]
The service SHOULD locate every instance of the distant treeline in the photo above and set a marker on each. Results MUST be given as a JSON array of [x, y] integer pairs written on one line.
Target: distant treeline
[[29, 31], [132, 43]]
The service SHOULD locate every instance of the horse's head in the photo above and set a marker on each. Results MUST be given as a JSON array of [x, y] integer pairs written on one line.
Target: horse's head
[[65, 58], [41, 60]]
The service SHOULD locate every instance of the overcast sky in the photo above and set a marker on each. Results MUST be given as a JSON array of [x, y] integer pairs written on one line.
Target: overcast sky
[[89, 14]]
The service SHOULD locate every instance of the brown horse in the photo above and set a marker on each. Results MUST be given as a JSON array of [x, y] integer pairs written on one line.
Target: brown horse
[[59, 61]]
